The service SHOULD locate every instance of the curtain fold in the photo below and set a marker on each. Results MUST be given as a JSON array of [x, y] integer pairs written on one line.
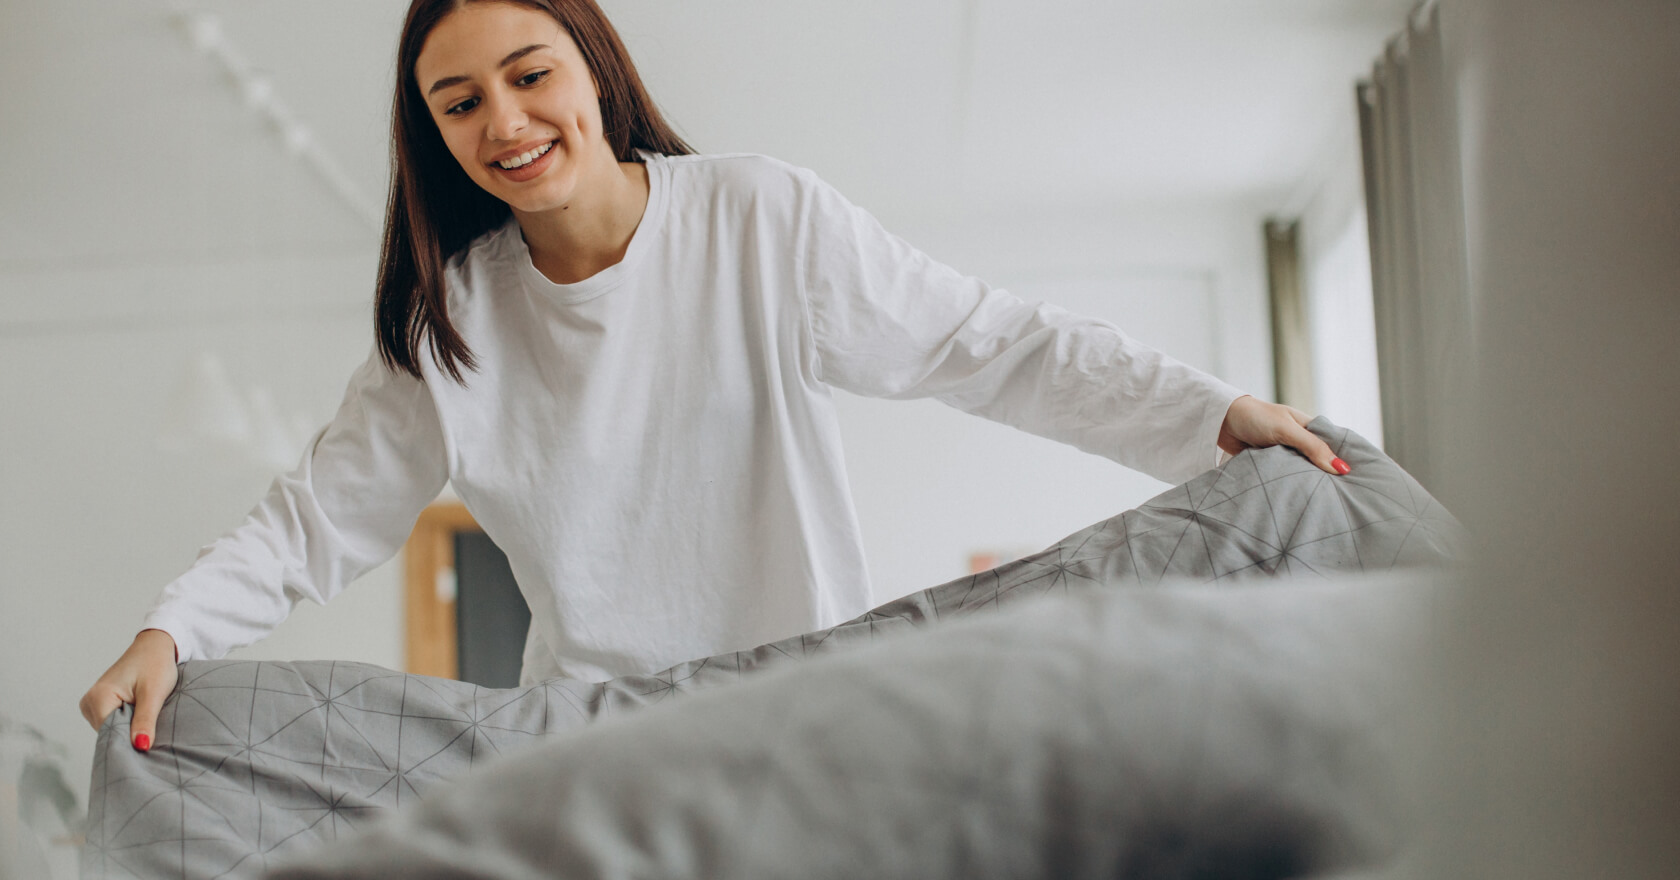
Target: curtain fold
[[1420, 290], [1292, 354]]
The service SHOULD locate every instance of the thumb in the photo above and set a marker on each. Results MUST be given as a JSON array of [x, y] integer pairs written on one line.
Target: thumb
[[149, 692]]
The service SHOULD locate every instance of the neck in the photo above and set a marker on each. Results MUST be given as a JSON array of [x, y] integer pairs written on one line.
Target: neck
[[593, 230]]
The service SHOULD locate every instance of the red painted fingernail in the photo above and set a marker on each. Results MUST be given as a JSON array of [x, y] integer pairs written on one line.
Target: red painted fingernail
[[1341, 466], [143, 742]]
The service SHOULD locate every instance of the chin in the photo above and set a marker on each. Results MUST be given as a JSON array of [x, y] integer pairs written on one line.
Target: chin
[[552, 192], [534, 204]]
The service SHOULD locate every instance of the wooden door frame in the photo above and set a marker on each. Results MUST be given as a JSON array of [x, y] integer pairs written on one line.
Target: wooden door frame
[[429, 589]]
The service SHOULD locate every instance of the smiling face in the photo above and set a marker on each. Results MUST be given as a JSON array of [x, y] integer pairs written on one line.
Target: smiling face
[[515, 103]]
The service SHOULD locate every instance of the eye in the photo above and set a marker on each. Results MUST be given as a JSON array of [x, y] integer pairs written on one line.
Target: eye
[[460, 107], [532, 78]]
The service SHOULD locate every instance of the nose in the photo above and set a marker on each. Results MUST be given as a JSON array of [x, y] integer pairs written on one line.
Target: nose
[[507, 118]]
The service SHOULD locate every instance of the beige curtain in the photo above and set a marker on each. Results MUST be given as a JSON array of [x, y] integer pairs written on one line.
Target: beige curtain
[[1292, 354], [1414, 195]]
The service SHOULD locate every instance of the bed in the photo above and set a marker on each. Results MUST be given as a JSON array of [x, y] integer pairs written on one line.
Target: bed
[[1195, 688]]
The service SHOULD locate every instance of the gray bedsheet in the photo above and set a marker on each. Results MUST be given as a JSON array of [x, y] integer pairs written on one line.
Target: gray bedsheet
[[261, 761]]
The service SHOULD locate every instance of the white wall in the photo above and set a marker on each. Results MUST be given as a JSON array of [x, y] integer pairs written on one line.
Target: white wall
[[1336, 283], [934, 485]]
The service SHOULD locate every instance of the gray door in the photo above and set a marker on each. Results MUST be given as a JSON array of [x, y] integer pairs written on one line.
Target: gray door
[[491, 617]]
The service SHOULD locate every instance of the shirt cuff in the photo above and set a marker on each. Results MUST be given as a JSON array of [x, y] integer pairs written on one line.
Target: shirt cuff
[[1220, 397]]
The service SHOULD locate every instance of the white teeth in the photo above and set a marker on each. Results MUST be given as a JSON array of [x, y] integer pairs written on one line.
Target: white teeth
[[525, 158]]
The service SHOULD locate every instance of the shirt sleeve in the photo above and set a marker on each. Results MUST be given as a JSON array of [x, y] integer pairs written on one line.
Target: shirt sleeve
[[347, 507], [889, 321]]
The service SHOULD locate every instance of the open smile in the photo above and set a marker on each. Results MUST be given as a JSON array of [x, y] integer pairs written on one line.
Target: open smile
[[525, 165]]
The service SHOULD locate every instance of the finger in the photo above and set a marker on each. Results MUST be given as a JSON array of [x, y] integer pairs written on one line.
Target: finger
[[98, 704], [1317, 451], [149, 692], [1300, 418]]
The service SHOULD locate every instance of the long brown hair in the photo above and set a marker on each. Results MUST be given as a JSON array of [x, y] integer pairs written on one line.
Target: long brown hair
[[435, 210]]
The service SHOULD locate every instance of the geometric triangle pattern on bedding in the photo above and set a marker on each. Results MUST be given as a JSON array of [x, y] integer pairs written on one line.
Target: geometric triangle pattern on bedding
[[259, 760]]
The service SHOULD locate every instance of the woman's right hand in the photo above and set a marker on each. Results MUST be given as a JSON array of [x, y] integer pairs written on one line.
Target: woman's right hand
[[144, 675]]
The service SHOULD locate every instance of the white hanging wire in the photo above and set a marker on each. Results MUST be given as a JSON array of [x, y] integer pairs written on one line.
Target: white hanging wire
[[205, 33]]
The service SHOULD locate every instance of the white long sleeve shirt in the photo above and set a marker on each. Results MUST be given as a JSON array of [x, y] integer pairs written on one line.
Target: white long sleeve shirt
[[655, 448]]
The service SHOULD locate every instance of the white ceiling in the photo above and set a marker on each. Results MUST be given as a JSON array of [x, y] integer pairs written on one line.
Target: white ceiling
[[1019, 101], [120, 142]]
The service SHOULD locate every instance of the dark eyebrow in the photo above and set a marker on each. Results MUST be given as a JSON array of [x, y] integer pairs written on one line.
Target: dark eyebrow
[[513, 56]]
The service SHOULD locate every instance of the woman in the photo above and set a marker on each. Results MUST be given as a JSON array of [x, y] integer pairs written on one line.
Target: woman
[[620, 355]]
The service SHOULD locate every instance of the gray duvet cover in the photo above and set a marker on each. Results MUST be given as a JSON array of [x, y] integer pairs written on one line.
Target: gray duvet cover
[[262, 763]]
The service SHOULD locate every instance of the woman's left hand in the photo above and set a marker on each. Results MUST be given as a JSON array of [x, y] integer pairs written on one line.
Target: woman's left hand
[[1251, 423]]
